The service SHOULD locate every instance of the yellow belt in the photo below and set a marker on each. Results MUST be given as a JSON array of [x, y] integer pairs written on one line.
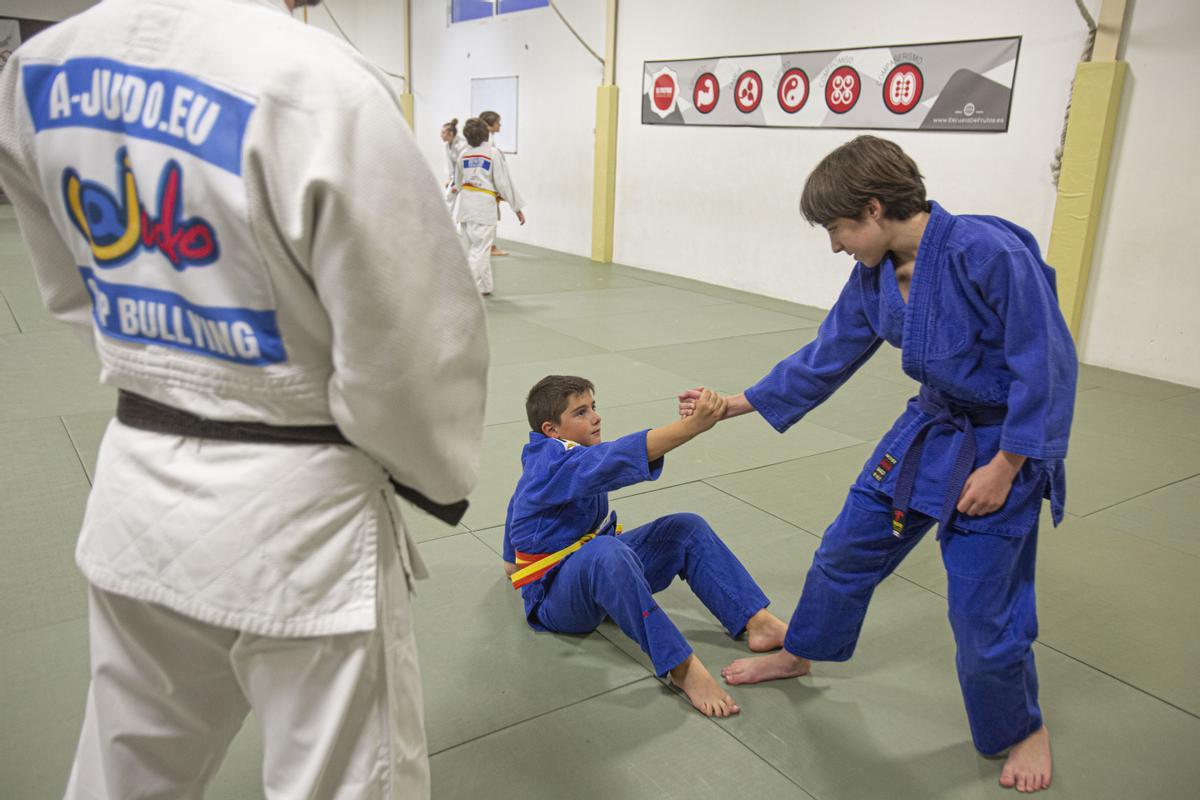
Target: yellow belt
[[471, 188]]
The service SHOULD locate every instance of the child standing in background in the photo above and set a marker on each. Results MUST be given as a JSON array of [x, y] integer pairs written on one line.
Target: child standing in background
[[492, 120], [482, 181], [455, 145]]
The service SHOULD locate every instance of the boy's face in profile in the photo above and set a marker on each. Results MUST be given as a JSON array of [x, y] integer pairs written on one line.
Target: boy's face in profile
[[579, 423], [862, 239]]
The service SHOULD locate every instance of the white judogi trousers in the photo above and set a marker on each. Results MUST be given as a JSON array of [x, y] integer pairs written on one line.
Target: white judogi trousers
[[341, 716], [477, 239]]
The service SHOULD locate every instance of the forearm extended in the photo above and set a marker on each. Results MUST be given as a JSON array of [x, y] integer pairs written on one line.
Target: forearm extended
[[736, 405], [660, 441]]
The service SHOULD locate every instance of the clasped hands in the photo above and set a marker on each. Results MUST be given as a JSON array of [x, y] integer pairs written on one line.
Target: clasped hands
[[984, 492], [704, 407]]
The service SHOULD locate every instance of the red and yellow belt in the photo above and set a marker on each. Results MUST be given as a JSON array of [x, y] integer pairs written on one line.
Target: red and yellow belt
[[532, 566]]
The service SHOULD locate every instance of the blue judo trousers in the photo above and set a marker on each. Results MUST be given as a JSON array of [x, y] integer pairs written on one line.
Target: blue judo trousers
[[563, 494], [618, 576], [991, 599], [982, 334]]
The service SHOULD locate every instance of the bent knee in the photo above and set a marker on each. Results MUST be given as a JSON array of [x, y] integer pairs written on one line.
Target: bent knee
[[685, 525], [610, 554]]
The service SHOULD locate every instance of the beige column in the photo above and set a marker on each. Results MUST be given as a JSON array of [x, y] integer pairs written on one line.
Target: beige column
[[1091, 126], [406, 97], [604, 183]]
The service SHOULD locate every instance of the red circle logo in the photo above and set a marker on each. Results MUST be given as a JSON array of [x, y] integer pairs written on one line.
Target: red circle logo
[[793, 90], [705, 93], [902, 88], [747, 92], [664, 92], [842, 89]]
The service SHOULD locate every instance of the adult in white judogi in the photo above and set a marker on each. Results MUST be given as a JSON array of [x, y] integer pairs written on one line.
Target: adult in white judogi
[[482, 181], [213, 195]]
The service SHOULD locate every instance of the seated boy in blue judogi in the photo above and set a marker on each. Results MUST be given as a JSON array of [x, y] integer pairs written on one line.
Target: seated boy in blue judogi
[[574, 567]]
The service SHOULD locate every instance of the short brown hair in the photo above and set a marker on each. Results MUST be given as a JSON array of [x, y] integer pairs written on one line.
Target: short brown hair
[[475, 131], [865, 167], [490, 118], [548, 398]]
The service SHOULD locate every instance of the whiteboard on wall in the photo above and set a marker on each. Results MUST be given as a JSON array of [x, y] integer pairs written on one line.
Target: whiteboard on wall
[[499, 95]]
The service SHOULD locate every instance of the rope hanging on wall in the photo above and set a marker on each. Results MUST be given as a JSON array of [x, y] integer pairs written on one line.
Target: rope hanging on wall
[[1056, 163], [595, 55], [349, 41]]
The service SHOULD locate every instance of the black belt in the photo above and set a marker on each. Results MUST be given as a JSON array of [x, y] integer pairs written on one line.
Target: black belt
[[145, 414]]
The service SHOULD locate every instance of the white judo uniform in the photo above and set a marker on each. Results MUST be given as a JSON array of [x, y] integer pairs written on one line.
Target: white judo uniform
[[213, 195], [482, 179], [454, 148]]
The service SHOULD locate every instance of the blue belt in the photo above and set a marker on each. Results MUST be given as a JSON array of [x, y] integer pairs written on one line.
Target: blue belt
[[942, 412]]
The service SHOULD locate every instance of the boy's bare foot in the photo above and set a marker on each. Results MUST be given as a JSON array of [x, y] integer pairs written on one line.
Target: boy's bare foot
[[496, 251], [1028, 766], [766, 668], [765, 632], [702, 689]]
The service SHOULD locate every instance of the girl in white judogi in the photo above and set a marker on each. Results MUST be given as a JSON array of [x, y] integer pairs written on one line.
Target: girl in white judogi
[[482, 180], [455, 144]]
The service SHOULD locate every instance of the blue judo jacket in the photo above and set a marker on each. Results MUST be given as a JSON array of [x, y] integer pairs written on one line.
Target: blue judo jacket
[[563, 494], [981, 330]]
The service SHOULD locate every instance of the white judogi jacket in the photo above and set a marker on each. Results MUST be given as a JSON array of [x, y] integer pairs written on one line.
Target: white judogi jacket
[[454, 149], [517, 201], [481, 176], [229, 204]]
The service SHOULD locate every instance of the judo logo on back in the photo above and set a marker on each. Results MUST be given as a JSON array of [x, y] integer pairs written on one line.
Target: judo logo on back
[[116, 229], [158, 105], [129, 141]]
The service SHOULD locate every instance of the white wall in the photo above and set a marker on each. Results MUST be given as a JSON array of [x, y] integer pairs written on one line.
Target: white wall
[[556, 105], [375, 27], [1142, 311], [721, 205]]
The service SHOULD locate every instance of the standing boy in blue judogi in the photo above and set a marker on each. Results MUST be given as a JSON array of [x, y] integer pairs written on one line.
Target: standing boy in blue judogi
[[574, 567], [974, 310]]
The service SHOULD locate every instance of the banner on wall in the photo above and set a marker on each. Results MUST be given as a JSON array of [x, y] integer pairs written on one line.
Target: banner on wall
[[941, 86]]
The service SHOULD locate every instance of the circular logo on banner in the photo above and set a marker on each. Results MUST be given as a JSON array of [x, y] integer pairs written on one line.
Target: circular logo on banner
[[902, 88], [705, 93], [663, 93], [842, 89], [793, 90], [747, 92]]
